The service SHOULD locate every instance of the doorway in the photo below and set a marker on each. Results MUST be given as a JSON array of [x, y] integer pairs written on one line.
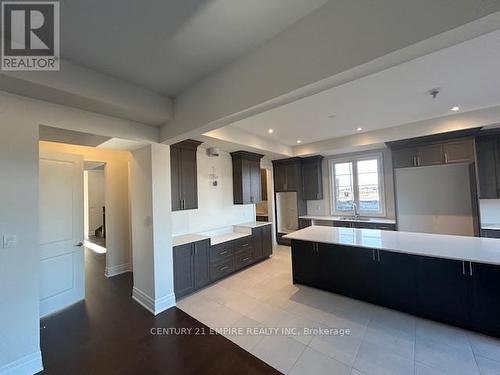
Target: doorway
[[94, 206]]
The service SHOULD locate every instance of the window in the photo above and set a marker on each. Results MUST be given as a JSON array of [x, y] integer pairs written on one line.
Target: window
[[359, 181]]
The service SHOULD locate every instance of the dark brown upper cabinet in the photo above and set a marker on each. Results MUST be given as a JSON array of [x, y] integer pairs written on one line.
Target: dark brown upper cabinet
[[312, 178], [288, 175], [246, 177], [488, 166], [419, 154], [263, 184], [184, 175]]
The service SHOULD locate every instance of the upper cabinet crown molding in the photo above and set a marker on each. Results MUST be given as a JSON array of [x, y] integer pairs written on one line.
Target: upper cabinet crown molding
[[246, 177], [184, 175]]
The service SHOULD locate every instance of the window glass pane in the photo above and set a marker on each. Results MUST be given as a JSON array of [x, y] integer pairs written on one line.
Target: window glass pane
[[344, 189], [368, 186]]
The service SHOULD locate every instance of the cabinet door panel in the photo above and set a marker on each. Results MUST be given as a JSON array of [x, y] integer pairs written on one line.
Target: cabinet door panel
[[485, 298], [175, 178], [258, 251], [201, 264], [267, 241], [246, 181], [348, 270], [312, 179], [279, 178], [404, 158], [486, 151], [183, 270], [430, 155], [459, 151], [442, 290], [293, 177], [189, 179], [305, 264], [397, 281], [255, 183]]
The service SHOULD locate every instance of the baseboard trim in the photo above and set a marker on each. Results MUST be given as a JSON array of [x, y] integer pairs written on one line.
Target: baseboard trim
[[29, 364], [117, 270], [153, 306]]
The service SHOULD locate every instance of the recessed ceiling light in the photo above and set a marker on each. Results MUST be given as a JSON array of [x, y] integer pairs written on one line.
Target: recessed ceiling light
[[299, 141], [359, 129], [455, 109], [270, 131]]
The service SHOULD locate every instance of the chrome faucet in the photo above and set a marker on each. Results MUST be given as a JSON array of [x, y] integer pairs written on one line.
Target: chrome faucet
[[355, 209]]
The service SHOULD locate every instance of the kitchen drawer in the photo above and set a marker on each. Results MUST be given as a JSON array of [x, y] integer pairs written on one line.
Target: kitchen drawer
[[221, 269], [242, 244], [243, 258], [221, 251]]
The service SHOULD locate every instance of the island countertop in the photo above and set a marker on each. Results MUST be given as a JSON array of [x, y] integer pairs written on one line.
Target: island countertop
[[470, 249]]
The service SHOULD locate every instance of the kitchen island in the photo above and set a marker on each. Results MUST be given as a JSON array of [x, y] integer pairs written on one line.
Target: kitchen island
[[452, 279]]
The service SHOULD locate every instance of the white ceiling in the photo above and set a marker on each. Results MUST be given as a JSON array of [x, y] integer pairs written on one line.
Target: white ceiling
[[467, 73], [167, 45]]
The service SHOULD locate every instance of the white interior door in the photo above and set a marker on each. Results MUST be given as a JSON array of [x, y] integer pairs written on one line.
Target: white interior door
[[62, 280]]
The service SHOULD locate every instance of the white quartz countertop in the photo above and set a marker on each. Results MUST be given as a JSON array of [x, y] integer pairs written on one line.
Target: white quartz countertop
[[491, 226], [253, 224], [472, 249], [342, 218], [214, 240], [188, 238]]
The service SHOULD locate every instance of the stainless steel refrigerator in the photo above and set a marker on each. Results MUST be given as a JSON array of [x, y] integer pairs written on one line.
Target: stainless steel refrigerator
[[435, 199]]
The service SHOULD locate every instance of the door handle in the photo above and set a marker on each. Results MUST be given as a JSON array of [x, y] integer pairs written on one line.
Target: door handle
[[79, 244]]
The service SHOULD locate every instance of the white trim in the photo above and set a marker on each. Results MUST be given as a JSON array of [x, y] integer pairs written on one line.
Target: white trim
[[354, 158], [153, 306], [117, 270], [29, 364]]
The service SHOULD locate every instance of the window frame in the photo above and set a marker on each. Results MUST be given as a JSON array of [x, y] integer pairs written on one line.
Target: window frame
[[354, 159]]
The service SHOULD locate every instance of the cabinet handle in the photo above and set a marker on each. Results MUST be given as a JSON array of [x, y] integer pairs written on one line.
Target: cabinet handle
[[373, 254], [446, 158], [463, 267], [418, 161], [245, 259], [414, 161], [245, 245], [470, 268], [378, 255], [223, 252], [223, 268]]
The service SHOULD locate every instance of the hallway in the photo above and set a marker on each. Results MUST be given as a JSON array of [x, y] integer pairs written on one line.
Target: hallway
[[111, 334]]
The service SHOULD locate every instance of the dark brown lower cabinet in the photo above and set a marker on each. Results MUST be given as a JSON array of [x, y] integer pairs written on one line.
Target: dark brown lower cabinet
[[199, 264], [191, 267], [464, 294]]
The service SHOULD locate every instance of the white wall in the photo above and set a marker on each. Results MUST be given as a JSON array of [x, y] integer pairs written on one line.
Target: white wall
[[215, 203], [151, 228], [19, 267], [323, 207], [96, 187], [490, 211]]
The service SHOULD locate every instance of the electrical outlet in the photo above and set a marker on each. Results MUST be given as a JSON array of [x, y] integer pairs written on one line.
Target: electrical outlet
[[9, 241]]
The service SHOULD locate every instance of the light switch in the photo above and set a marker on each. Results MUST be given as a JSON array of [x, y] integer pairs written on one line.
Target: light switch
[[9, 241]]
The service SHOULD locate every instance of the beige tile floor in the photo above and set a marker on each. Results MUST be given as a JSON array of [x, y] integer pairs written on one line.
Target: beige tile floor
[[381, 341]]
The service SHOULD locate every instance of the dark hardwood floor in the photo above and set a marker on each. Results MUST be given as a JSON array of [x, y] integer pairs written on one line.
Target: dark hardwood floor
[[109, 333]]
